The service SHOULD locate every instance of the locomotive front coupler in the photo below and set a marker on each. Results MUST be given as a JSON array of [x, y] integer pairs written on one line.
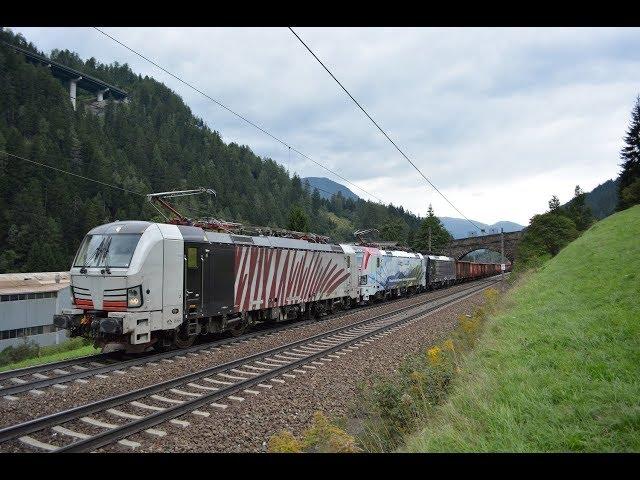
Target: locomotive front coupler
[[69, 318]]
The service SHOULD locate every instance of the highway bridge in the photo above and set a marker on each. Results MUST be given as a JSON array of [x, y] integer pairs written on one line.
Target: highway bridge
[[75, 78]]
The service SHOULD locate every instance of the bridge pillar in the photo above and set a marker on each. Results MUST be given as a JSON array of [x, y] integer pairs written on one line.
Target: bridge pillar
[[73, 83], [101, 94]]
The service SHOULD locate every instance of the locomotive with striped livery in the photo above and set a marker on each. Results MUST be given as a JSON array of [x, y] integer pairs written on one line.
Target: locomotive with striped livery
[[137, 284], [140, 283]]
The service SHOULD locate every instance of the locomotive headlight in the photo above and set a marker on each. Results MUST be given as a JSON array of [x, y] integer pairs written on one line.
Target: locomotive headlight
[[134, 296]]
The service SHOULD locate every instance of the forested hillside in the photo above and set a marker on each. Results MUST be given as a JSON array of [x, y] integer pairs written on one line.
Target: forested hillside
[[153, 143], [602, 199]]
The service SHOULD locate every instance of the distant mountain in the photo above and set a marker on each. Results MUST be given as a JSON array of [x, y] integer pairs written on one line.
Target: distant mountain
[[327, 187], [461, 228], [458, 227]]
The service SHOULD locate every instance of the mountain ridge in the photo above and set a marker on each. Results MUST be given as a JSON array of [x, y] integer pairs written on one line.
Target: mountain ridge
[[457, 227], [327, 187]]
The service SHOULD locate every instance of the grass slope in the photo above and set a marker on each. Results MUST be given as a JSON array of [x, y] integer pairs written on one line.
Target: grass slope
[[558, 369]]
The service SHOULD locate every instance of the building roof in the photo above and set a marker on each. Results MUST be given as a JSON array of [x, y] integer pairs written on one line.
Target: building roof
[[16, 283]]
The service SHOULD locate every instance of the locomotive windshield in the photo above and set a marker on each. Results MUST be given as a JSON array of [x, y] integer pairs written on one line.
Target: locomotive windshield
[[107, 250]]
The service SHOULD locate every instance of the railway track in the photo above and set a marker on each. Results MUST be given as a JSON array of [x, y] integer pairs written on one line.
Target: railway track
[[34, 379], [113, 419], [56, 374]]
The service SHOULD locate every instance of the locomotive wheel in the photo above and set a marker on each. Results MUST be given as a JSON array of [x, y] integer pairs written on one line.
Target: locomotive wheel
[[238, 329], [182, 340]]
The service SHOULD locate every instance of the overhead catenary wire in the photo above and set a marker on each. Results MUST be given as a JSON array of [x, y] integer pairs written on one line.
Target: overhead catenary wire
[[71, 173], [380, 128], [60, 170], [243, 118]]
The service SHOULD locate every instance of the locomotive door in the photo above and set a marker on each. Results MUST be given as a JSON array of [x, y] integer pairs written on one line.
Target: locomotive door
[[193, 271]]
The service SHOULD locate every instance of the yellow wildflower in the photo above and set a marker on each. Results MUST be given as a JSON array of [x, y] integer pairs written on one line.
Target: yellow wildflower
[[448, 345], [284, 442], [433, 354]]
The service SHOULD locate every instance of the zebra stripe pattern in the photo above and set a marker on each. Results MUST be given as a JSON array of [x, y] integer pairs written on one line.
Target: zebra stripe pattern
[[267, 277]]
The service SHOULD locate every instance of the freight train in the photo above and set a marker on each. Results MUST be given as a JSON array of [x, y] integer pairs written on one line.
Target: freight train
[[138, 284]]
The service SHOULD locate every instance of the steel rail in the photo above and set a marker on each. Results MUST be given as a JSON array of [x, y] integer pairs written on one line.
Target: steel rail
[[113, 435], [59, 418], [89, 372], [46, 367], [151, 357]]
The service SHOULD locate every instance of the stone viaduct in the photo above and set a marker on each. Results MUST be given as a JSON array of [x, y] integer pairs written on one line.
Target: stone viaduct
[[460, 247]]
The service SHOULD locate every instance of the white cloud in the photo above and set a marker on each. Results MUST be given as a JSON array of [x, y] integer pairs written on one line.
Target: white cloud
[[498, 118]]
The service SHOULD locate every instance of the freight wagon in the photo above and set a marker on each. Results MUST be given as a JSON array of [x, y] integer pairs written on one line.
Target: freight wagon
[[466, 271]]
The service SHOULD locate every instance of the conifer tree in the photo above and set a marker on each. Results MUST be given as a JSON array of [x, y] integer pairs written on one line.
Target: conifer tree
[[579, 211], [629, 186], [440, 236], [298, 220]]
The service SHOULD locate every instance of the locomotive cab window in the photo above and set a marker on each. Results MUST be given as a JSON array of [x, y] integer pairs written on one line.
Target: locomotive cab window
[[378, 262], [192, 257], [106, 250]]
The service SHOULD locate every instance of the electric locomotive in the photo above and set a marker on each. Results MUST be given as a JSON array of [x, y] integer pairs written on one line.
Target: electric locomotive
[[140, 284]]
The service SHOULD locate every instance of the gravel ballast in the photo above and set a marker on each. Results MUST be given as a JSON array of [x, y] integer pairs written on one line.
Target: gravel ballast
[[30, 406], [246, 426]]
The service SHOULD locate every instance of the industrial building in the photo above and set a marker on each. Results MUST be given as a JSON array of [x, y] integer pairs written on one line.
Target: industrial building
[[28, 302]]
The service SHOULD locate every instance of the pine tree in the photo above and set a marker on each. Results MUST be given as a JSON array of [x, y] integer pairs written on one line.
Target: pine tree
[[395, 230], [554, 204], [316, 201], [298, 220], [578, 210], [629, 186], [440, 236]]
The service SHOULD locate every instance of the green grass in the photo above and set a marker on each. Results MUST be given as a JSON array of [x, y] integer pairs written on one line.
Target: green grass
[[53, 357], [558, 369]]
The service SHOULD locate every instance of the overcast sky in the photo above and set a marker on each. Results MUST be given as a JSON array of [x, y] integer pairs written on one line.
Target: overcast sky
[[498, 119]]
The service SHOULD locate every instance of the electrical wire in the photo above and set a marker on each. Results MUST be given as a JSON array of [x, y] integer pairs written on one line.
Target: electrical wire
[[60, 170], [71, 173], [243, 118], [380, 128]]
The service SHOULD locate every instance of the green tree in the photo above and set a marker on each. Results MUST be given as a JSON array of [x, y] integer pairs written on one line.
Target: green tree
[[395, 230], [440, 236], [551, 232], [316, 201], [578, 210], [631, 195], [554, 204], [629, 186], [298, 220]]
